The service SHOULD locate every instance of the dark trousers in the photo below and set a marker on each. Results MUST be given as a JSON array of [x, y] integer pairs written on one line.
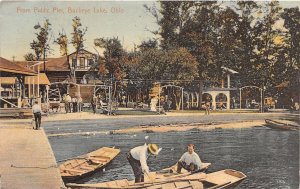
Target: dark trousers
[[74, 106], [68, 107], [37, 118], [136, 167], [191, 167]]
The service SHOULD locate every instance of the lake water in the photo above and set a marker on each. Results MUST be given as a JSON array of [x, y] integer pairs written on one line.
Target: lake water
[[269, 158]]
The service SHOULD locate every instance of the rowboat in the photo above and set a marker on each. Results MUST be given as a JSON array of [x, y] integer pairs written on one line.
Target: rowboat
[[85, 165], [279, 125], [227, 178]]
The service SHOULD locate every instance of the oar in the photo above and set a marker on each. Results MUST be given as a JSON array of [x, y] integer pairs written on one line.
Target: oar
[[62, 160]]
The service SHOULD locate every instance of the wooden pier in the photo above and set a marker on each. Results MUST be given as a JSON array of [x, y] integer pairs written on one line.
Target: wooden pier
[[27, 160]]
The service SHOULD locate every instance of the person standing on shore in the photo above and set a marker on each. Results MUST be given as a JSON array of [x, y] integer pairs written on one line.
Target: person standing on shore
[[137, 157], [79, 103], [93, 103], [68, 103], [37, 113], [207, 106], [74, 104], [189, 160]]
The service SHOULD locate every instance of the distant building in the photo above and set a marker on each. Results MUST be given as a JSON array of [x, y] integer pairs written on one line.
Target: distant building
[[217, 93], [65, 68]]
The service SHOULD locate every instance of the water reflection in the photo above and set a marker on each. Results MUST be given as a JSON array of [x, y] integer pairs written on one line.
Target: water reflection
[[268, 157]]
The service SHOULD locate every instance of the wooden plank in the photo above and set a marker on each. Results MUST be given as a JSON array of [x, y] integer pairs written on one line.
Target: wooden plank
[[87, 168], [74, 170], [99, 156], [197, 185]]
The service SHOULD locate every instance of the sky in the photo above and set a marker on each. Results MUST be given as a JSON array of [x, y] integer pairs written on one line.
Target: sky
[[127, 20]]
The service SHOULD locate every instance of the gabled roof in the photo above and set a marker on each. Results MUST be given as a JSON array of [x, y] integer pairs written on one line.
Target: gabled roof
[[84, 51], [12, 67], [52, 64], [57, 64]]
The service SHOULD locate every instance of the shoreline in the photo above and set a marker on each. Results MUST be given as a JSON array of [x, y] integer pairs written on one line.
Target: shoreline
[[169, 128]]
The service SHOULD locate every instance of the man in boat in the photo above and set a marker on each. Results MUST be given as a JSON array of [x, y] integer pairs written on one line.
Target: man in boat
[[137, 158], [189, 160]]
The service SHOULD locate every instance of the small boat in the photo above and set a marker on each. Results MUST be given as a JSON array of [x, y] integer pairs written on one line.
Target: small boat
[[85, 165], [227, 178], [280, 125]]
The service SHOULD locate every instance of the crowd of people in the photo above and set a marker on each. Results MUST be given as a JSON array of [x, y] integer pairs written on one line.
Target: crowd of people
[[72, 104]]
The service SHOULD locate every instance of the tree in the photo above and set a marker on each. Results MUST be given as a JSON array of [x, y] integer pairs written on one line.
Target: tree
[[289, 55], [150, 44], [266, 48], [77, 39], [113, 65], [248, 13], [158, 65], [62, 41], [29, 57], [41, 46]]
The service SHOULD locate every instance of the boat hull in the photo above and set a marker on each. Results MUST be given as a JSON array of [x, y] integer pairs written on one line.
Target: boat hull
[[86, 165], [217, 180], [281, 126]]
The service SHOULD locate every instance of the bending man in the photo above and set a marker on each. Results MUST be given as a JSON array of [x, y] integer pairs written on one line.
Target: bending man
[[137, 158]]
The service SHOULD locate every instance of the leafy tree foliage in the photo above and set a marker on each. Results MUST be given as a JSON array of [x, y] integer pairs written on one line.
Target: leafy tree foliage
[[62, 41], [41, 45], [77, 34], [246, 37], [29, 57]]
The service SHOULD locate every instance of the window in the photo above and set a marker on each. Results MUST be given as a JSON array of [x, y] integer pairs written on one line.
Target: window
[[82, 62], [91, 62]]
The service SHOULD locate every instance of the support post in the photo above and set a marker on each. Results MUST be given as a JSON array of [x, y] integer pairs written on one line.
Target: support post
[[159, 98], [240, 98], [181, 99], [38, 81], [261, 100]]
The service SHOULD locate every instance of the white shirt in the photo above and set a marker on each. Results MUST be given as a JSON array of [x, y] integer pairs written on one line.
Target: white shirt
[[36, 108], [191, 158], [141, 153], [68, 98]]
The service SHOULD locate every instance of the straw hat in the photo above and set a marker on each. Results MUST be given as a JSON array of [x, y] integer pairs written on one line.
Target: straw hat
[[153, 148]]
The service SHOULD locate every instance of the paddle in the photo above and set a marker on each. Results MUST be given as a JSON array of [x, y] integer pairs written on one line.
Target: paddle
[[62, 160]]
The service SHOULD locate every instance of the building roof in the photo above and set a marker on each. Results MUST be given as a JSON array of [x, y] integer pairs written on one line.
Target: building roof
[[57, 64], [229, 70], [283, 84], [8, 80], [81, 50], [12, 67], [52, 64], [43, 79]]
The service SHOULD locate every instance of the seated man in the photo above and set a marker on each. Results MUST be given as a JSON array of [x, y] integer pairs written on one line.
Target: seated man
[[189, 160]]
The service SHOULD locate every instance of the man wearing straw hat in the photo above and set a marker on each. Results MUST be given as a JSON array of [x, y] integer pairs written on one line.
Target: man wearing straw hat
[[137, 158]]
